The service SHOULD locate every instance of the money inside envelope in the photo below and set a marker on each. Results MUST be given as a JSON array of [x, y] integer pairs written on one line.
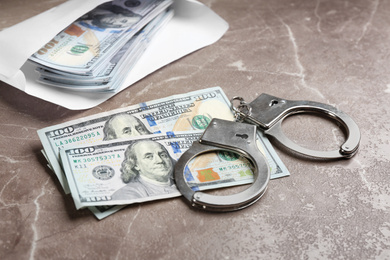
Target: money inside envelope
[[97, 51]]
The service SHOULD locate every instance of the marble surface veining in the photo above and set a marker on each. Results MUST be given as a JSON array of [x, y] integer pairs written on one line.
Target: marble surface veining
[[331, 51]]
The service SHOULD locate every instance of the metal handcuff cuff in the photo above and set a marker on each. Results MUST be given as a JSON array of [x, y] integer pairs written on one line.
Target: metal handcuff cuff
[[267, 113]]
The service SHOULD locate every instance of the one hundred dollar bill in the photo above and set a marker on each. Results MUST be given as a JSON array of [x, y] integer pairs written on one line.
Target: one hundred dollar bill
[[125, 171], [84, 46]]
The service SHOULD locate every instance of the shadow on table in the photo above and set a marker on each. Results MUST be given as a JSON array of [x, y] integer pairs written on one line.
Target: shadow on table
[[37, 108]]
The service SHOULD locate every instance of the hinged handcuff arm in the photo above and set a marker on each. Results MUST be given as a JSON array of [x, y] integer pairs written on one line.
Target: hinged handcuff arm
[[268, 112], [231, 136]]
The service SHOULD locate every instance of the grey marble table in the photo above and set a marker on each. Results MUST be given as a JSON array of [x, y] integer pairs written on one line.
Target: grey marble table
[[335, 52]]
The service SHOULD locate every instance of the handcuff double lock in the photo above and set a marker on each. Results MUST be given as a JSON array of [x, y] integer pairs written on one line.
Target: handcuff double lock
[[265, 113]]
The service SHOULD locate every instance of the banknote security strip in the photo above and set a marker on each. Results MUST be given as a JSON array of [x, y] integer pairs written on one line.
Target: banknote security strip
[[267, 113]]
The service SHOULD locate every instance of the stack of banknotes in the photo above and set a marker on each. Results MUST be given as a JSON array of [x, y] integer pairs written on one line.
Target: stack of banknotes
[[97, 51], [125, 156]]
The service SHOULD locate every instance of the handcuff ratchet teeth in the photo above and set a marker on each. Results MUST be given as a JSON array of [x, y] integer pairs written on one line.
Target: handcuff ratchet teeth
[[267, 113]]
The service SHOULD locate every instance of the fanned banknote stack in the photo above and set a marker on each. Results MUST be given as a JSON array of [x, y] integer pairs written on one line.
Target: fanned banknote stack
[[97, 51], [125, 156]]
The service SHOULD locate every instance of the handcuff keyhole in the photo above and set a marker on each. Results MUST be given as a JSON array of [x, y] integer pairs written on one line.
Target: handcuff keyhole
[[243, 136], [273, 103]]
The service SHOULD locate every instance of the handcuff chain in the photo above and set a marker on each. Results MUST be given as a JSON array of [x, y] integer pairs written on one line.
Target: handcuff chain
[[242, 111]]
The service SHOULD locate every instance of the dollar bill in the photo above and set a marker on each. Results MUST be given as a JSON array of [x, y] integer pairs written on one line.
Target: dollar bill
[[126, 171], [84, 47], [116, 70]]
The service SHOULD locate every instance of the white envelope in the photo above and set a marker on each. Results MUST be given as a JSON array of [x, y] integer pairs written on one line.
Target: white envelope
[[193, 26]]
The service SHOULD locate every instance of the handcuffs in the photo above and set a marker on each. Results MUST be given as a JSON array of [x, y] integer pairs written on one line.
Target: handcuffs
[[267, 113]]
